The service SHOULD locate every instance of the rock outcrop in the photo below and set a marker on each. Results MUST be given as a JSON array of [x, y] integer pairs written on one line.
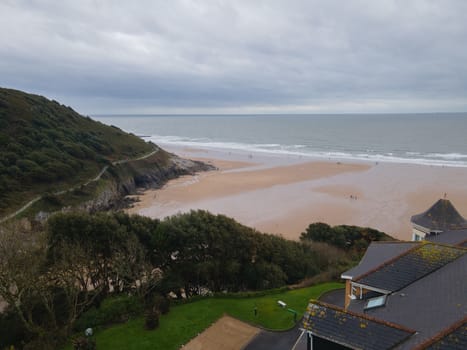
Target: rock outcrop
[[126, 179]]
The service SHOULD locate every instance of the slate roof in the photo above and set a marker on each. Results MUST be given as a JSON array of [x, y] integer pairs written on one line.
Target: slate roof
[[376, 254], [429, 305], [453, 338], [410, 266], [442, 216], [454, 237], [352, 330]]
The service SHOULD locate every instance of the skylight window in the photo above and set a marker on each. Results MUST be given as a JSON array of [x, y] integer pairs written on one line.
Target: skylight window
[[376, 302]]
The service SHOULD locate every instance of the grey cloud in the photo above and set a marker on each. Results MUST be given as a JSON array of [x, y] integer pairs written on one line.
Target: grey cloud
[[385, 56]]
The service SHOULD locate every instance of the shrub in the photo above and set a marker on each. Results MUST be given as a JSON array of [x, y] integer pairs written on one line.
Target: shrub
[[152, 319], [343, 236], [83, 343], [12, 330], [112, 310], [52, 199], [162, 304]]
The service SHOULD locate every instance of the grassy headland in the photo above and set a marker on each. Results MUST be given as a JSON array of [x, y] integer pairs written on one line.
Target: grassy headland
[[47, 146], [55, 156]]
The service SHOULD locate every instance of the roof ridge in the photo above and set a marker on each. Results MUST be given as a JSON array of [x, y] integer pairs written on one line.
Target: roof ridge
[[387, 262], [393, 242], [443, 333], [449, 204], [364, 316], [454, 246], [420, 246]]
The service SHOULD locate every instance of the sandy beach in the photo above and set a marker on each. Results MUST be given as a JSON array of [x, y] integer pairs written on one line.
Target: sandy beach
[[283, 197]]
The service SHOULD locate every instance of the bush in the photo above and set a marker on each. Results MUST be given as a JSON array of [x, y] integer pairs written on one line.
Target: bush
[[251, 294], [158, 302], [112, 310], [83, 343], [152, 319], [52, 199], [162, 304], [12, 331], [343, 236]]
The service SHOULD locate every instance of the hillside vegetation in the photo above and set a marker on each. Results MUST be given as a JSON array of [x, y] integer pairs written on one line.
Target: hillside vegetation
[[46, 146]]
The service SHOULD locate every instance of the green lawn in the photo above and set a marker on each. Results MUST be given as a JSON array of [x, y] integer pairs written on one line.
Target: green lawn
[[183, 322]]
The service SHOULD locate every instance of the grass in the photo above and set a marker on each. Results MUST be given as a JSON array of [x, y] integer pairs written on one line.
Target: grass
[[184, 322]]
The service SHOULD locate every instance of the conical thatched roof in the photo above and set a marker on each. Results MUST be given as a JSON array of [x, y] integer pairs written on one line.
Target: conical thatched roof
[[442, 216]]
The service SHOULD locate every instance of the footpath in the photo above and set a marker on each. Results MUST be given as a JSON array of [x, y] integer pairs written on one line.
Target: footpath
[[97, 178]]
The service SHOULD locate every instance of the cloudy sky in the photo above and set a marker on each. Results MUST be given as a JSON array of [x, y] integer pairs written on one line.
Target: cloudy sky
[[238, 56]]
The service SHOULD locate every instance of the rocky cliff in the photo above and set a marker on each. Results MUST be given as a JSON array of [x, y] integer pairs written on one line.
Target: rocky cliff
[[132, 177]]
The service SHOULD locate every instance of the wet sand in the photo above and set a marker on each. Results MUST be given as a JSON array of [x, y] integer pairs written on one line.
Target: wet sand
[[284, 197]]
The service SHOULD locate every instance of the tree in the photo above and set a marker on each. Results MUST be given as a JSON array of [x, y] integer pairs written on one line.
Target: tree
[[115, 258], [24, 284], [99, 237], [200, 252], [317, 231], [47, 291], [346, 237]]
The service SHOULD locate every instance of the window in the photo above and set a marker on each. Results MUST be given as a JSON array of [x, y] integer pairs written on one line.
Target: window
[[376, 302]]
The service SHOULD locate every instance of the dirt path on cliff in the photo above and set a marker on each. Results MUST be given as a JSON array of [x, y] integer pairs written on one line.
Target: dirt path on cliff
[[97, 178]]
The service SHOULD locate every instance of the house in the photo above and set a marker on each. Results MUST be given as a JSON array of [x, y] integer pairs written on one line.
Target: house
[[441, 223], [402, 295]]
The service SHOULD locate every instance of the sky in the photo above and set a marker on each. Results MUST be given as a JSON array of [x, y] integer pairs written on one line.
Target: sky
[[238, 56]]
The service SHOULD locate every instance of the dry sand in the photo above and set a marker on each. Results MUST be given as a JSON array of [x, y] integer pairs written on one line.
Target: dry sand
[[226, 334], [285, 199]]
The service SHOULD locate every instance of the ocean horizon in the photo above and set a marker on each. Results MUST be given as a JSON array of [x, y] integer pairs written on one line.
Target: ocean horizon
[[435, 139]]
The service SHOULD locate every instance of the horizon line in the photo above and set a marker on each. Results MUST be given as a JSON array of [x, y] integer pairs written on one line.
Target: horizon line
[[268, 114]]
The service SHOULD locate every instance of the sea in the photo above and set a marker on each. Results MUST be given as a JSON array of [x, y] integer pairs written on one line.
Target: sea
[[435, 139]]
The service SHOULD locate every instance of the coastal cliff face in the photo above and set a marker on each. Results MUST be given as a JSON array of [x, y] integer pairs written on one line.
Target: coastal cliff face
[[130, 178]]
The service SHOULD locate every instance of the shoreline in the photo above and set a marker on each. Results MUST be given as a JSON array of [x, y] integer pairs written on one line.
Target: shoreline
[[283, 195]]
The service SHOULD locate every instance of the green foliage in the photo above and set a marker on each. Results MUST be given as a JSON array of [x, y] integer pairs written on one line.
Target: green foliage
[[112, 310], [116, 259], [52, 199], [45, 144], [38, 294], [151, 319], [160, 303], [213, 252], [350, 238], [196, 252], [251, 294]]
